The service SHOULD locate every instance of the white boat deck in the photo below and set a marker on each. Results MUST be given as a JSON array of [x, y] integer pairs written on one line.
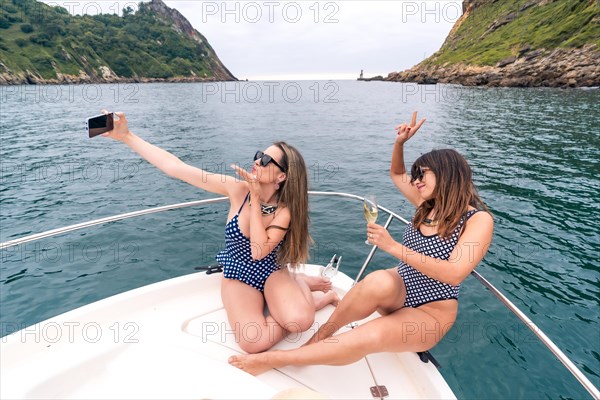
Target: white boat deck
[[172, 340]]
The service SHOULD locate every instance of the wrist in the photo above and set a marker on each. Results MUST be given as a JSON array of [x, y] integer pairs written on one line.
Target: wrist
[[398, 250], [389, 246], [127, 137], [254, 202]]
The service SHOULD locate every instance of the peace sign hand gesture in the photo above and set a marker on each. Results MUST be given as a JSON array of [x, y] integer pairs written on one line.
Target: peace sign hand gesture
[[406, 131]]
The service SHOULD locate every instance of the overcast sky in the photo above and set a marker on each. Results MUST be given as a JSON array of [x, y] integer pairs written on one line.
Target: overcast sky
[[310, 39]]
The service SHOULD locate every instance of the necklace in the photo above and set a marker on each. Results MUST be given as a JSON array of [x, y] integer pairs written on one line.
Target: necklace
[[266, 209]]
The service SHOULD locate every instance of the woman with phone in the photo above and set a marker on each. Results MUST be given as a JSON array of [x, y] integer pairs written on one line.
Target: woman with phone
[[448, 236], [267, 229]]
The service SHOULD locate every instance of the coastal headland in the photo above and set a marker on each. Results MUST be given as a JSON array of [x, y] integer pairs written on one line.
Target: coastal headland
[[41, 44], [517, 43]]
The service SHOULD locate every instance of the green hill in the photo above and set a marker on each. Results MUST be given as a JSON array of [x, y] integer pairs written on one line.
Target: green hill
[[44, 44], [491, 31], [517, 43]]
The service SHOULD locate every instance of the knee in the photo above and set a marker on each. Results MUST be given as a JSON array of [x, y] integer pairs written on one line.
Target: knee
[[379, 284], [299, 321], [253, 339], [253, 347]]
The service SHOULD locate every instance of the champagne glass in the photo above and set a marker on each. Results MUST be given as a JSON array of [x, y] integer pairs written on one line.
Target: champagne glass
[[370, 209]]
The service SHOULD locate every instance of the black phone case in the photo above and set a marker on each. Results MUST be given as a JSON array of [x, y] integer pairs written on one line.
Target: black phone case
[[99, 124]]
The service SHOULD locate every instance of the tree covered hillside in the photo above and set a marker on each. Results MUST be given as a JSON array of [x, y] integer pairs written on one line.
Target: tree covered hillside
[[492, 30], [40, 41]]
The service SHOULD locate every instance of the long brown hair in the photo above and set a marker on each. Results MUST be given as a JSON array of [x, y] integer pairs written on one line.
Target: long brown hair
[[454, 190], [293, 193]]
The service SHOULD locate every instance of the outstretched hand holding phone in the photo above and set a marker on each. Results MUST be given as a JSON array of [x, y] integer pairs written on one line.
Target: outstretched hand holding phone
[[113, 125], [120, 127]]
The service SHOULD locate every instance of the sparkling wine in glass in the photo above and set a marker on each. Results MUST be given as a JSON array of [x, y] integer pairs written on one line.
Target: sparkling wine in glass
[[370, 209]]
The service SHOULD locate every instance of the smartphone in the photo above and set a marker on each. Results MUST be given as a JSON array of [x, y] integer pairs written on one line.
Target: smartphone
[[99, 124]]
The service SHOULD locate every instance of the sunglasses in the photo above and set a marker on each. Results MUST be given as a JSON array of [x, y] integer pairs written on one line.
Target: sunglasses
[[265, 159], [418, 173]]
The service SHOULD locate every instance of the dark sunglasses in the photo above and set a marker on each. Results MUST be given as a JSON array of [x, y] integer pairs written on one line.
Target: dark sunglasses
[[265, 159], [418, 173]]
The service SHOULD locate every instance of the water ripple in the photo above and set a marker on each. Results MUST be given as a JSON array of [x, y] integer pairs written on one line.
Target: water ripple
[[534, 154]]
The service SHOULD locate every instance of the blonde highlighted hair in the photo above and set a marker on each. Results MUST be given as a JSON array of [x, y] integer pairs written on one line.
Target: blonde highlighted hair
[[293, 194]]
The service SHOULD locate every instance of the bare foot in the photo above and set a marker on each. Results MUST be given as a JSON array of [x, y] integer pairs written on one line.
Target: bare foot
[[330, 297], [254, 364], [316, 283]]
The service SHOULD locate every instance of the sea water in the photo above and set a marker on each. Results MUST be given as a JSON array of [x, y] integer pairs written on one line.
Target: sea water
[[534, 153]]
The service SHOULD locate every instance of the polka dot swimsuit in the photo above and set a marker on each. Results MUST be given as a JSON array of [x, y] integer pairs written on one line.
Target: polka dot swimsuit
[[421, 289], [237, 260]]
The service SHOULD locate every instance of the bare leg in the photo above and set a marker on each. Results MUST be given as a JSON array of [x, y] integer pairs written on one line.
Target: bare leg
[[407, 329], [244, 305], [381, 290], [290, 301]]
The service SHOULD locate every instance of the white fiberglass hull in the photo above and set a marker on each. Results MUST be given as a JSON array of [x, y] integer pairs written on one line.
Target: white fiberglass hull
[[172, 340]]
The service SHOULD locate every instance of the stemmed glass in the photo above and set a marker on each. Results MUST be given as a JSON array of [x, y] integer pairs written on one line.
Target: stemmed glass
[[370, 210]]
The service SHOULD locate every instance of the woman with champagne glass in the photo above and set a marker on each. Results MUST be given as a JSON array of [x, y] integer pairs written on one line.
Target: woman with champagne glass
[[267, 229], [448, 236]]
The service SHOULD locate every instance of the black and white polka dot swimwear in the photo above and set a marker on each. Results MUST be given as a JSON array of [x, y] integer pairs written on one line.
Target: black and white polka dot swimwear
[[421, 289], [237, 260]]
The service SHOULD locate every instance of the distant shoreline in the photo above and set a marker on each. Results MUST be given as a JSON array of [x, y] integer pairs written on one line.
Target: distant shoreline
[[559, 68], [184, 81], [29, 80]]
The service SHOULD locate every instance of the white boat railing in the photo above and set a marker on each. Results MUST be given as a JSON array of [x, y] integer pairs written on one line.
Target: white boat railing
[[54, 232], [575, 371]]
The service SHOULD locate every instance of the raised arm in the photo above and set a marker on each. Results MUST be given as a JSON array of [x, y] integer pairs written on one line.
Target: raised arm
[[398, 171], [170, 164]]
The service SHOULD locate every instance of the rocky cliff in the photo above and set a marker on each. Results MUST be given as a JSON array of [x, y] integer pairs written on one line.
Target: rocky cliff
[[41, 44], [519, 43], [171, 16]]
